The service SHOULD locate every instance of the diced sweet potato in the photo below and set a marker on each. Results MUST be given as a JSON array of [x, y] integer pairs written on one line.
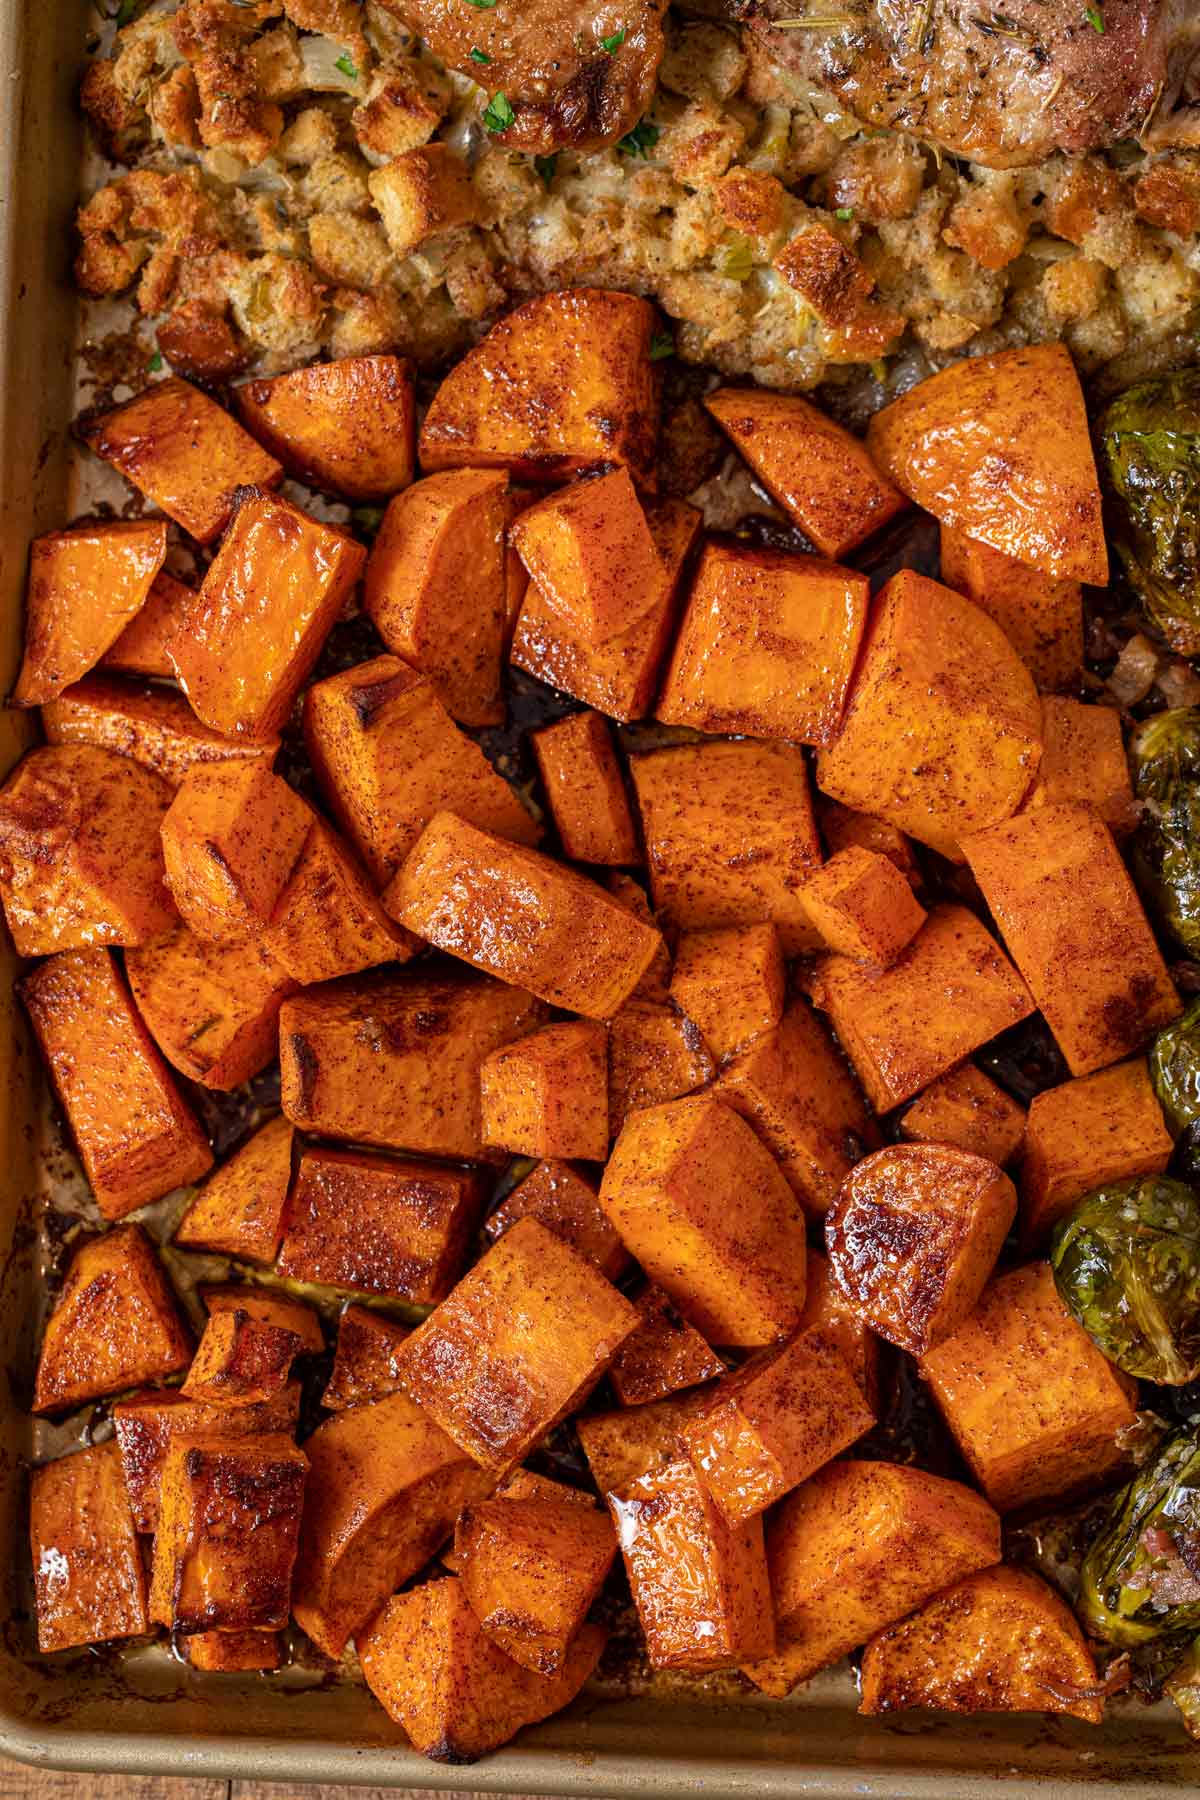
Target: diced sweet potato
[[966, 1109], [270, 596], [654, 1055], [656, 982], [1001, 1640], [664, 1355], [421, 192], [1037, 1410], [532, 1315], [585, 789], [951, 991], [146, 1425], [519, 915], [1040, 615], [730, 983], [703, 1207], [87, 1568], [767, 646], [141, 648], [239, 1210], [240, 1361], [328, 920], [999, 446], [115, 1324], [942, 733], [516, 575], [566, 1203], [843, 828], [1084, 1134], [272, 1307], [547, 1095], [345, 427], [184, 452], [1084, 762], [212, 1009], [364, 1363], [860, 905], [137, 1138], [623, 1446], [1071, 917], [394, 1060], [562, 384], [913, 1237], [857, 1547], [232, 1652], [820, 473], [590, 554], [154, 726], [85, 585], [231, 838], [435, 587], [389, 756], [829, 1316], [80, 858]]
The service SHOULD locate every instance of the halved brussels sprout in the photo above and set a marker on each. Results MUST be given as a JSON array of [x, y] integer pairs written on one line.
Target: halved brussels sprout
[[1150, 456], [1141, 1576], [1175, 1070], [1164, 756]]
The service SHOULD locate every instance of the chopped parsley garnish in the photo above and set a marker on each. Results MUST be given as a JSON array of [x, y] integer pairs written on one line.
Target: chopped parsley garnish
[[155, 363], [126, 12], [845, 214], [483, 5], [613, 44], [637, 142], [347, 67], [1095, 19], [480, 56], [545, 166], [499, 115], [662, 345]]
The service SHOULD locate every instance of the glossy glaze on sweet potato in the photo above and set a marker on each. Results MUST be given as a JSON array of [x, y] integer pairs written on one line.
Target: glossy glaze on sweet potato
[[86, 586]]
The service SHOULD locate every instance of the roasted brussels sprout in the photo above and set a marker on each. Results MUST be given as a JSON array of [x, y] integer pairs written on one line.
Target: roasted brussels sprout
[[1175, 1070], [1150, 456], [1127, 1263], [1164, 756], [1141, 1576]]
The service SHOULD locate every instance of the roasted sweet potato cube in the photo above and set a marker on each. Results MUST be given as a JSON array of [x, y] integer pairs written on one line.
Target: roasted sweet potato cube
[[952, 990], [141, 648], [656, 982], [137, 1138], [115, 1324], [232, 1652], [1084, 762], [703, 1207], [547, 1095], [820, 473], [345, 427], [1084, 1134], [249, 639], [860, 905], [385, 1487], [422, 192], [562, 384], [1037, 1411], [87, 1568], [532, 1319], [239, 1210], [241, 1361], [829, 1316], [518, 914], [965, 1108], [843, 828], [1072, 919], [394, 1060], [623, 1446], [857, 1547], [428, 1662], [730, 983], [1040, 615], [585, 789], [913, 1237], [269, 1305], [154, 726], [435, 587], [184, 452], [231, 838], [730, 836], [767, 646], [146, 1425], [654, 1055], [364, 1362], [589, 551], [1001, 1640], [388, 756], [212, 1009], [328, 920], [80, 859], [664, 1355], [85, 585], [228, 1526], [565, 1202]]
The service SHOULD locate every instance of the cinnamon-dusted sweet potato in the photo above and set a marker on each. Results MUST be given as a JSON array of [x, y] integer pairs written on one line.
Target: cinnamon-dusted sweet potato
[[141, 648], [655, 984], [80, 859], [590, 554], [566, 1202], [364, 1362], [239, 1210], [85, 586], [663, 1355], [547, 1095], [586, 791], [843, 828], [154, 726], [232, 1652], [345, 427], [730, 982], [231, 840], [147, 1423], [999, 446], [1084, 1134], [212, 1009], [654, 1055], [1084, 762], [184, 452], [830, 1316], [249, 639], [240, 1361], [965, 1108], [1040, 615], [860, 905], [562, 384], [87, 1567], [269, 1305], [137, 1137], [421, 192], [328, 920]]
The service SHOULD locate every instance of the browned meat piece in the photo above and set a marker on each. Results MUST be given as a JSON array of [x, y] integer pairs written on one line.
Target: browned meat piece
[[1003, 84]]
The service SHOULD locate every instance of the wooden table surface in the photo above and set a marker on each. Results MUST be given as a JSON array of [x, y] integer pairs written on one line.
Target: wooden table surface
[[19, 1783]]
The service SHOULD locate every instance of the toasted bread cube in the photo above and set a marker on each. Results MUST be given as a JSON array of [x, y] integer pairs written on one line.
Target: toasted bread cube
[[820, 473], [364, 1362], [654, 1055], [241, 1361], [793, 1087], [184, 452], [232, 1652], [843, 828], [147, 1423], [913, 1237], [141, 648], [154, 726], [212, 1009], [239, 1210], [87, 1568], [115, 1324], [830, 1317], [560, 385], [378, 1226], [394, 1060], [1084, 1134], [388, 757], [80, 859], [943, 731], [966, 1109], [538, 1311], [730, 982], [1040, 615], [662, 1356], [857, 1547], [952, 990], [655, 984], [565, 1202], [269, 1306], [458, 1696], [136, 1136], [589, 551], [518, 914], [435, 587], [585, 789], [1001, 1640], [328, 920], [228, 1526], [767, 645], [547, 1095], [1084, 762], [730, 836], [703, 1207], [860, 905], [1037, 1411], [421, 192], [1072, 919], [345, 427], [231, 838], [385, 1487], [85, 586]]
